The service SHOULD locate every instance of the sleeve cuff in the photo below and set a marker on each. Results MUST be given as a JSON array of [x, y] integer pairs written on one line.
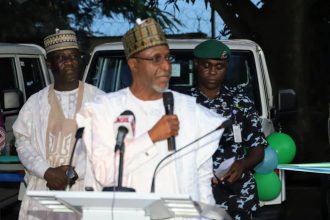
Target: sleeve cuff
[[146, 144], [40, 169]]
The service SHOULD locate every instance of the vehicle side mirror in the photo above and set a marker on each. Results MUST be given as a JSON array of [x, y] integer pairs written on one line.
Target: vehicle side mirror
[[11, 101], [286, 107], [287, 102]]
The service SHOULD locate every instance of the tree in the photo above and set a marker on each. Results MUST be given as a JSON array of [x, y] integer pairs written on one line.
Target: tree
[[290, 34], [31, 20]]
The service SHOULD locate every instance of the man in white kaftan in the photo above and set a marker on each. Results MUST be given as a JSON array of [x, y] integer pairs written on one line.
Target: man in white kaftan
[[45, 130], [187, 172]]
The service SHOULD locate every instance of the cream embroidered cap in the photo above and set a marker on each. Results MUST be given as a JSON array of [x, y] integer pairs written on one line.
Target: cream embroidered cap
[[62, 39]]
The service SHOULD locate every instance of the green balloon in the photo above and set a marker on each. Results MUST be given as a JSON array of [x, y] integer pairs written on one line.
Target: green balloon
[[284, 146], [268, 185]]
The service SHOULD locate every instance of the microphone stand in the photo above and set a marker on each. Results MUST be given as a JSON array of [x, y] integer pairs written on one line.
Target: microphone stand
[[70, 173], [121, 167], [224, 125], [119, 188]]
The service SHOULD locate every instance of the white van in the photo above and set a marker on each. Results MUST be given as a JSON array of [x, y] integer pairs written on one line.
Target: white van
[[23, 70], [109, 71]]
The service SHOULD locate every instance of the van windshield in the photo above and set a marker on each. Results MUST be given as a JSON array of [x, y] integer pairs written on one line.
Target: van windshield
[[109, 71]]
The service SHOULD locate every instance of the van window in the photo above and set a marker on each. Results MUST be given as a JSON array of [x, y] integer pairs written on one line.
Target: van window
[[109, 71], [8, 76], [32, 75]]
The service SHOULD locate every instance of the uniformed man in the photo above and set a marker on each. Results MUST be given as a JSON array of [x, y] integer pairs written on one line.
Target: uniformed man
[[236, 190]]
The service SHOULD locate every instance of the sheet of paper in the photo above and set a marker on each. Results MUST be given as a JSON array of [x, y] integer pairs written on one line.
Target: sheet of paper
[[224, 167]]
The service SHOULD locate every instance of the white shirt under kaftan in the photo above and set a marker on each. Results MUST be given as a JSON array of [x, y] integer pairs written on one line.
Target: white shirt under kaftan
[[188, 172]]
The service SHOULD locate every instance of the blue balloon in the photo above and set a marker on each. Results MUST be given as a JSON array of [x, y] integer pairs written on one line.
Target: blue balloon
[[269, 162]]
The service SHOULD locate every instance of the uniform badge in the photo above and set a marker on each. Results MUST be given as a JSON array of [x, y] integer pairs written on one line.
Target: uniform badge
[[224, 55]]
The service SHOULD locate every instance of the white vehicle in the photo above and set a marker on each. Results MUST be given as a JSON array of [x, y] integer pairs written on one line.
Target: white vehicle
[[108, 70], [22, 70]]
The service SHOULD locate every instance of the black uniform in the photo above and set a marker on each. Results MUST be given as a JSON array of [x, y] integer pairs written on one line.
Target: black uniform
[[239, 198]]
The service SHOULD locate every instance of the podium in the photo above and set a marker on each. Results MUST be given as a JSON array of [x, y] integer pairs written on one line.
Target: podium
[[126, 205]]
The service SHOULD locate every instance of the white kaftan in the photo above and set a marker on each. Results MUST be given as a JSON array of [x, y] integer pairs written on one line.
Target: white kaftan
[[30, 132], [188, 172]]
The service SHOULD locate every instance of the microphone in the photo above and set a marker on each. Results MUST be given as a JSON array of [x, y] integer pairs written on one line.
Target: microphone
[[169, 108], [226, 124], [124, 126], [70, 173]]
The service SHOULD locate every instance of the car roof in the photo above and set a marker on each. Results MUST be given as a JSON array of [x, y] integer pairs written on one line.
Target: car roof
[[239, 44], [24, 49]]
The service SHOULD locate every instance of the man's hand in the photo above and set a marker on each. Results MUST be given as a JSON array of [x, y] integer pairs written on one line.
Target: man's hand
[[56, 177], [254, 157], [235, 172], [166, 127]]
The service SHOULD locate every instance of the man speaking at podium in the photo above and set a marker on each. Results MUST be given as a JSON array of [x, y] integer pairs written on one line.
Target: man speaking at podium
[[187, 172]]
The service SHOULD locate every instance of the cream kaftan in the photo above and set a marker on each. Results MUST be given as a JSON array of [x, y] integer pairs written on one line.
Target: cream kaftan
[[30, 132]]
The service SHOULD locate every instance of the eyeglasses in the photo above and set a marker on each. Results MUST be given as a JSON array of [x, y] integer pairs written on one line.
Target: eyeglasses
[[158, 59]]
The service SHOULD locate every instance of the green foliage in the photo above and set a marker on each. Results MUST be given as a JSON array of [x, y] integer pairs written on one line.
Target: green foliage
[[26, 20], [31, 20]]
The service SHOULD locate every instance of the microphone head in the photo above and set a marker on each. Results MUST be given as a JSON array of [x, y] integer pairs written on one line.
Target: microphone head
[[128, 112], [125, 121], [168, 101], [79, 132]]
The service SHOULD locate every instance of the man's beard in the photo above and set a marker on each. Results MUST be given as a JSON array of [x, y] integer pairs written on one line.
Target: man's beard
[[157, 88], [160, 89]]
